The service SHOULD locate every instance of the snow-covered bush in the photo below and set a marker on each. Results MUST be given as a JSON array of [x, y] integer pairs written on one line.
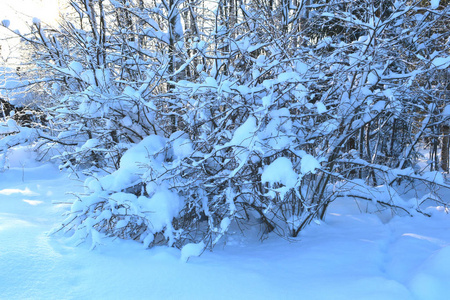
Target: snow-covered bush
[[122, 205], [258, 114]]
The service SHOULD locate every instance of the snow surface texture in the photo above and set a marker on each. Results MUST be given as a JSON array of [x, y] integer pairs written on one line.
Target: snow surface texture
[[349, 256]]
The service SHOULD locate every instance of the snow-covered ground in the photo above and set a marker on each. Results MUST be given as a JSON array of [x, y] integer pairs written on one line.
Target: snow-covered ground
[[349, 256]]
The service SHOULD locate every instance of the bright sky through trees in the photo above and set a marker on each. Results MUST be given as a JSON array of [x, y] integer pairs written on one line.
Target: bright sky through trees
[[21, 12]]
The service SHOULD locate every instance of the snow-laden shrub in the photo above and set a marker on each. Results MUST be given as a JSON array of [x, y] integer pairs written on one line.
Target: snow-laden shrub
[[96, 128], [127, 203], [263, 117]]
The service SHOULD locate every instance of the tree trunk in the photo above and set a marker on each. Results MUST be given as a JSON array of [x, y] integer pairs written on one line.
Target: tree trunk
[[445, 147]]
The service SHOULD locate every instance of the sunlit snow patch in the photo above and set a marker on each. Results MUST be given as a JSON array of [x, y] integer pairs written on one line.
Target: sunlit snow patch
[[33, 202], [25, 192]]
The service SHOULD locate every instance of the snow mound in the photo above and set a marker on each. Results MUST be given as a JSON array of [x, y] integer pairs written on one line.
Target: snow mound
[[192, 249], [309, 164], [280, 171]]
